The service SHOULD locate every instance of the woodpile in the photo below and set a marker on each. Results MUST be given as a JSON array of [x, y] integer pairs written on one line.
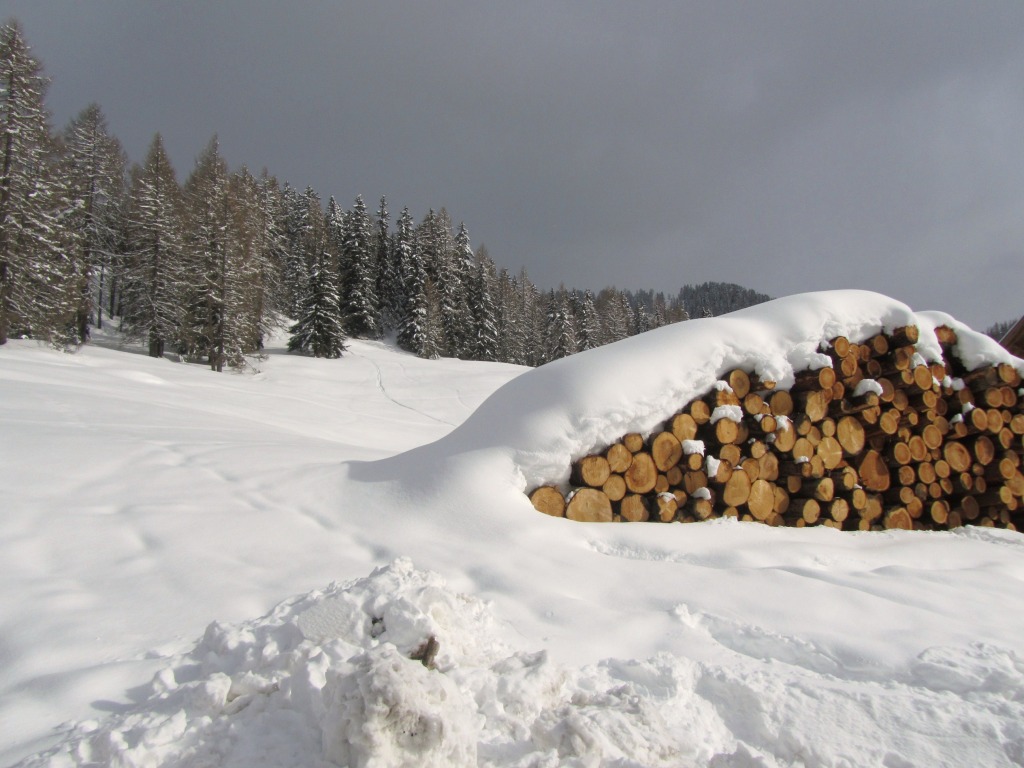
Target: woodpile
[[881, 439]]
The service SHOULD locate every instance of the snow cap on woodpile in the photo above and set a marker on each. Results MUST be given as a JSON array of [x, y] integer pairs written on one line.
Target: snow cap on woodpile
[[531, 429]]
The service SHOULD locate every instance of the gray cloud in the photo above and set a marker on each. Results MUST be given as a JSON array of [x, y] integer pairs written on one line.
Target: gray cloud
[[787, 146]]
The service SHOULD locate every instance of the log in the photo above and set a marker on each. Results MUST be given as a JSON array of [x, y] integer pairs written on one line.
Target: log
[[873, 472], [898, 518], [839, 509], [824, 489], [614, 487], [666, 451], [840, 346], [807, 510], [781, 403], [822, 379], [785, 437], [619, 458], [684, 427], [768, 467], [904, 335], [830, 452], [739, 381], [761, 499], [815, 404], [845, 478], [591, 471], [633, 508], [589, 505], [700, 412], [755, 405], [728, 431], [642, 474], [634, 442], [667, 507], [731, 454], [737, 488], [939, 512], [549, 500], [693, 480]]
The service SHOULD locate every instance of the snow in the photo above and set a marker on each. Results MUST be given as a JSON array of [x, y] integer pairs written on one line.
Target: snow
[[215, 569], [729, 412], [867, 385], [693, 446]]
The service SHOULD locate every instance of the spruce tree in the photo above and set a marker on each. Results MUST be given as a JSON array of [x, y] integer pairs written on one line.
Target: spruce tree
[[359, 289], [207, 258], [295, 268], [36, 281], [453, 258], [154, 280], [560, 330], [588, 325], [412, 330], [483, 309], [389, 283], [94, 167], [319, 329]]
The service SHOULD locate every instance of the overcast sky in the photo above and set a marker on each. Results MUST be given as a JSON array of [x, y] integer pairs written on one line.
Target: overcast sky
[[784, 146]]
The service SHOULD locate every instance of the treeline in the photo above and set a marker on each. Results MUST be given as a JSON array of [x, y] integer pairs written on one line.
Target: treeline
[[208, 267]]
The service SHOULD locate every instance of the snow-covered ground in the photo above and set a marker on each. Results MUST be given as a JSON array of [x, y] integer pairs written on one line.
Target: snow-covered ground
[[208, 569]]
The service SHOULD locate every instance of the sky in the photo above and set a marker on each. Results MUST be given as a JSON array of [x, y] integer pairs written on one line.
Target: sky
[[785, 146]]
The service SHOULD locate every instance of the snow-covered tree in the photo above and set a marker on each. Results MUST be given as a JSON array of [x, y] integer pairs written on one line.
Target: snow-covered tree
[[412, 330], [389, 283], [209, 268], [94, 169], [36, 280], [295, 221], [154, 276], [453, 258], [482, 308], [359, 286], [319, 329], [588, 325], [560, 328]]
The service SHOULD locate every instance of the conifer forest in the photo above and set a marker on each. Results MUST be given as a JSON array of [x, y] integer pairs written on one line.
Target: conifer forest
[[207, 267]]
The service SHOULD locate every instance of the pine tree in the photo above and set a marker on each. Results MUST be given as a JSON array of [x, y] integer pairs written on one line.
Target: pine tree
[[453, 258], [508, 319], [389, 283], [94, 167], [319, 329], [483, 310], [533, 322], [207, 257], [295, 269], [359, 289], [560, 330], [36, 286], [588, 324], [433, 327], [412, 331], [154, 279], [269, 298]]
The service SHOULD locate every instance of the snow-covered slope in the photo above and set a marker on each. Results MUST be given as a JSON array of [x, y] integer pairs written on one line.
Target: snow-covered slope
[[143, 500]]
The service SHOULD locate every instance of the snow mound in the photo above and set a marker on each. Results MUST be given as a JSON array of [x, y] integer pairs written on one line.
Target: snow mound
[[326, 679]]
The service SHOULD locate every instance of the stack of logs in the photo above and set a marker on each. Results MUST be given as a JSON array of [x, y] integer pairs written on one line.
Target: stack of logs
[[879, 440]]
